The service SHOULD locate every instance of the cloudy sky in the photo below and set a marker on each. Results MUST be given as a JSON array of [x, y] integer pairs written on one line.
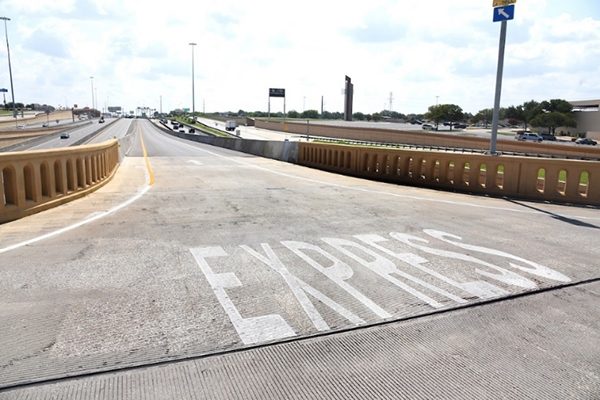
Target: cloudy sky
[[138, 51]]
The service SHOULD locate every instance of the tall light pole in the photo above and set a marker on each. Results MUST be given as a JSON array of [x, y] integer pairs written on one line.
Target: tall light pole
[[12, 89], [193, 94], [92, 79], [160, 106]]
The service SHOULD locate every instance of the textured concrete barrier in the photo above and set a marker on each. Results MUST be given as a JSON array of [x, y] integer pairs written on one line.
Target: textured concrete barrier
[[34, 181], [565, 181]]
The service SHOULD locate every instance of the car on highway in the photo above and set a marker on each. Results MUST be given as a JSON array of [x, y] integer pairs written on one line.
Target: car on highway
[[45, 125], [428, 127], [586, 141], [21, 127], [64, 136], [528, 136], [548, 136]]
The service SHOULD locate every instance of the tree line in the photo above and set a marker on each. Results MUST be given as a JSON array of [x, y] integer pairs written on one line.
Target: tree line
[[549, 114]]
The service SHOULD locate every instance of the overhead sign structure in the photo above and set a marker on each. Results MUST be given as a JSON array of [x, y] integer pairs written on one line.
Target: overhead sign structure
[[500, 3], [504, 13], [276, 92]]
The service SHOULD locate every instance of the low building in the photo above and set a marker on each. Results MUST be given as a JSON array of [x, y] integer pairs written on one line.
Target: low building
[[587, 115]]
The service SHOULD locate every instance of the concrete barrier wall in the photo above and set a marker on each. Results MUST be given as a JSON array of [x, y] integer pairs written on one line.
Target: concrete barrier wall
[[282, 151], [34, 181], [423, 138], [565, 181]]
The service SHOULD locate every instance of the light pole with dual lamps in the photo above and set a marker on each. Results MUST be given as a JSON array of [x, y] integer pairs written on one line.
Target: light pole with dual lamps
[[12, 90]]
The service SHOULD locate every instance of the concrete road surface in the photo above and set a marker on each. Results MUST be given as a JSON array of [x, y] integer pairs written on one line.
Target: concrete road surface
[[234, 276]]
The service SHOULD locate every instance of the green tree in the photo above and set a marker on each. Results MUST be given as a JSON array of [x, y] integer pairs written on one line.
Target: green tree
[[293, 114], [553, 114], [553, 120], [486, 115], [445, 112], [376, 117], [525, 112], [358, 116], [314, 114]]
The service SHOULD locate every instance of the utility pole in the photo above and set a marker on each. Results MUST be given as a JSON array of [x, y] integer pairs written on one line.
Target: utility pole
[[322, 107], [12, 89], [391, 99], [193, 94]]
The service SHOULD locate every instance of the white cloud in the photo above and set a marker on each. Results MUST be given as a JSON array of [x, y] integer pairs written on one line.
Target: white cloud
[[417, 50]]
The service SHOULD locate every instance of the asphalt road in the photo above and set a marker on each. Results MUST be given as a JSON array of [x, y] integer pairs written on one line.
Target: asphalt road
[[75, 135], [227, 251]]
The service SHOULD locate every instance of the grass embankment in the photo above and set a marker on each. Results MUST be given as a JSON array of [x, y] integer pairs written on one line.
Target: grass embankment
[[202, 127]]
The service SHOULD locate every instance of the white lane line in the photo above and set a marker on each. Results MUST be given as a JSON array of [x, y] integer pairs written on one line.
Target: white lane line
[[457, 203], [195, 162], [78, 224]]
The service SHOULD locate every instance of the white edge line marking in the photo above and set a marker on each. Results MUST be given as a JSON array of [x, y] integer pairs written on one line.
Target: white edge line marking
[[459, 203], [78, 224]]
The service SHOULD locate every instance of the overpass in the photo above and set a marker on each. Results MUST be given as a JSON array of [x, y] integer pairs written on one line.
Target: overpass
[[202, 272]]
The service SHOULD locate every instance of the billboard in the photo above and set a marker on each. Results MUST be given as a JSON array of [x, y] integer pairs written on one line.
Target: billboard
[[114, 108], [276, 92]]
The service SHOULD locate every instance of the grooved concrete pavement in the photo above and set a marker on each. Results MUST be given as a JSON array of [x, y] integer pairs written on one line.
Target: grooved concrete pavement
[[513, 349]]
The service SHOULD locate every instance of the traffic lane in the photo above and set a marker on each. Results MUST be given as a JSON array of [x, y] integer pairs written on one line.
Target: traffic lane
[[228, 250], [117, 130], [74, 136], [160, 144]]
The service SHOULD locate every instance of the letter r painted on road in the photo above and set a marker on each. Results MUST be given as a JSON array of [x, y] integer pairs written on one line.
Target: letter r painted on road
[[251, 330]]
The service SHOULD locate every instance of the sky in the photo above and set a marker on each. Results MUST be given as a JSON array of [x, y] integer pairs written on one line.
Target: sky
[[421, 52]]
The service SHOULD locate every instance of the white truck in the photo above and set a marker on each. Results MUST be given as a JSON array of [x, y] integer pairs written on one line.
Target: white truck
[[230, 125]]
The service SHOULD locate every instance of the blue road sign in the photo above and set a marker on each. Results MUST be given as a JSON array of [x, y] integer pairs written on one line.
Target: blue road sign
[[505, 13], [3, 90]]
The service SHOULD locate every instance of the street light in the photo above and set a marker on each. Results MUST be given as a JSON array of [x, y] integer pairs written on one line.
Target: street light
[[92, 79], [12, 90], [193, 94]]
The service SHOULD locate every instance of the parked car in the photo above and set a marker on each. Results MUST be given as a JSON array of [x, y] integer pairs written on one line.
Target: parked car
[[586, 141], [64, 136], [460, 126], [528, 136], [548, 136], [428, 127]]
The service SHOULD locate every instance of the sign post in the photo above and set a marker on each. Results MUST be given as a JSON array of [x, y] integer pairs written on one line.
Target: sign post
[[4, 91], [504, 10]]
